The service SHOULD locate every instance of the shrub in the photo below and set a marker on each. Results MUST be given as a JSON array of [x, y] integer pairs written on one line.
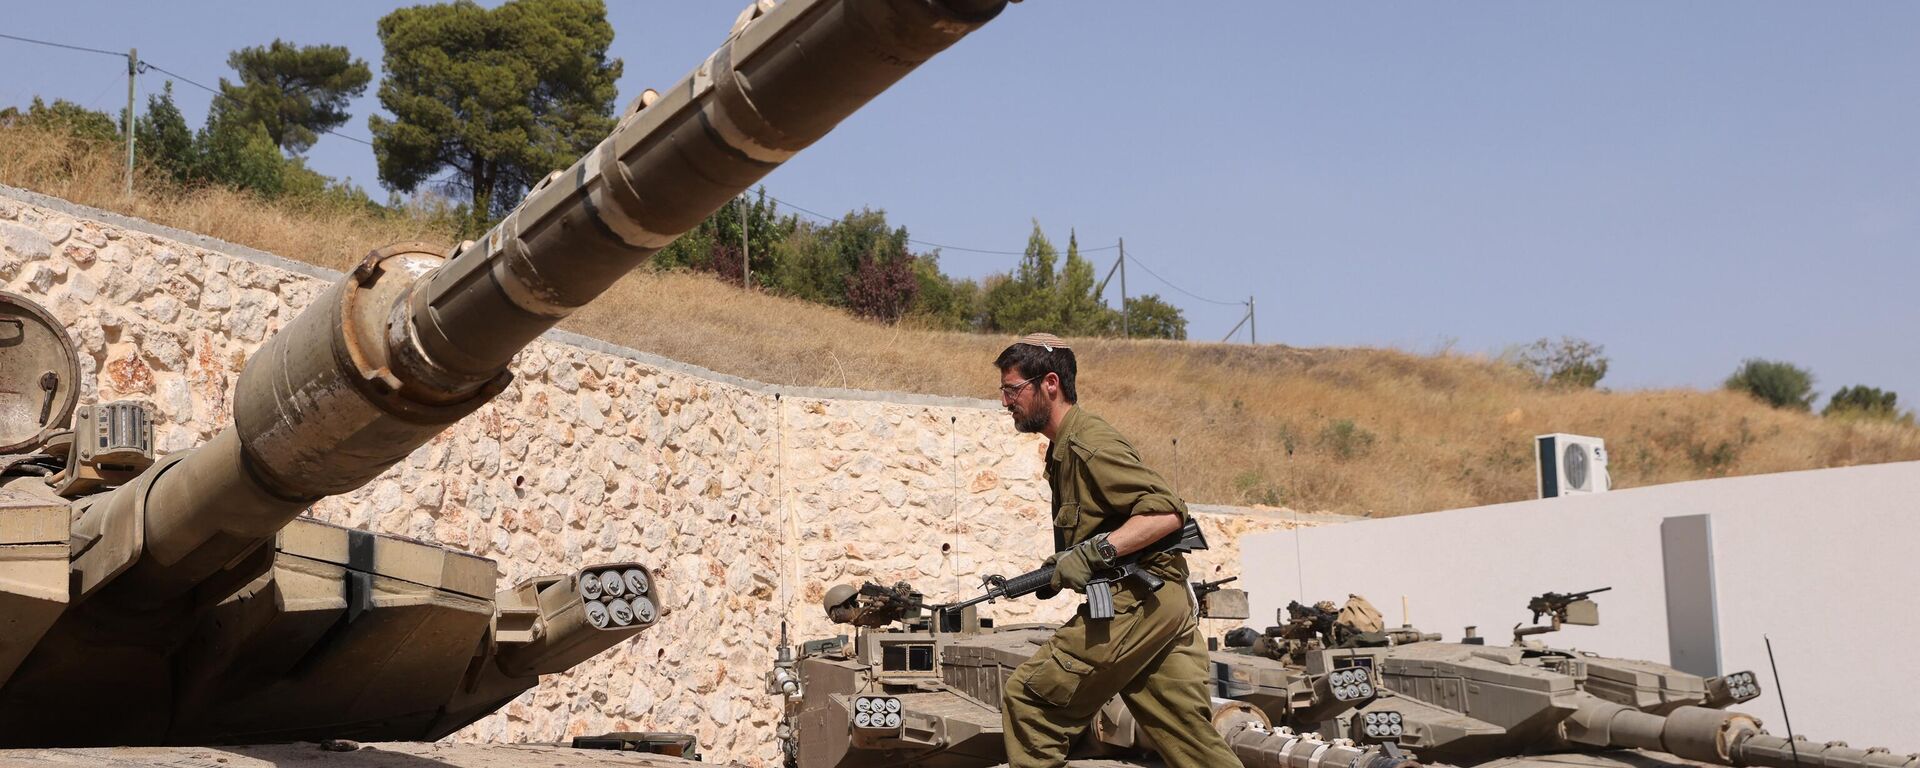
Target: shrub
[[882, 288], [1863, 402], [1253, 488], [1151, 317], [1776, 383], [1569, 362], [1345, 439]]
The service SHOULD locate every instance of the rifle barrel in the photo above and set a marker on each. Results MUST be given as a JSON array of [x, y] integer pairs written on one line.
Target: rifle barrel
[[965, 604]]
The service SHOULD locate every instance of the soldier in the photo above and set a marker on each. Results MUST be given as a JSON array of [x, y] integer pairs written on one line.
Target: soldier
[[1106, 504]]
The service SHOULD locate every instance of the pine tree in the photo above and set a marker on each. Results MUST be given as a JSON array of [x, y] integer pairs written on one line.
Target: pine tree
[[499, 97]]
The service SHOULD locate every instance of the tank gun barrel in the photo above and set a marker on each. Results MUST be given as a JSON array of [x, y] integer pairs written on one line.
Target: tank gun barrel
[[1719, 737], [415, 339]]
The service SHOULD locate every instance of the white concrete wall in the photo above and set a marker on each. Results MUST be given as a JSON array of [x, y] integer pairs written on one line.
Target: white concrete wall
[[1823, 562]]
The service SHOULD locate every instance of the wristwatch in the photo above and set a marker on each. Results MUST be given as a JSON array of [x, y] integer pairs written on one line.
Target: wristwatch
[[1104, 548]]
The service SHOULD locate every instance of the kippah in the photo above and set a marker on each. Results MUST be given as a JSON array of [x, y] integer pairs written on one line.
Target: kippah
[[1047, 341]]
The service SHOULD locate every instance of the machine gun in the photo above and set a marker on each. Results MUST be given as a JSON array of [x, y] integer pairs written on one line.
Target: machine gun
[[876, 605], [1568, 608], [1214, 601], [1319, 621], [1203, 588], [1100, 587], [1557, 604]]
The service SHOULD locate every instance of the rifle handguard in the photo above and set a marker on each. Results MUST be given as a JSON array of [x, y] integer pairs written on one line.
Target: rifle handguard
[[1029, 582], [1099, 590]]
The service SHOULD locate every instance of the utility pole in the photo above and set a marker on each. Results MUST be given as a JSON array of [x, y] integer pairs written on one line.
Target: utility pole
[[1253, 335], [746, 263], [1126, 330], [133, 68], [1099, 291]]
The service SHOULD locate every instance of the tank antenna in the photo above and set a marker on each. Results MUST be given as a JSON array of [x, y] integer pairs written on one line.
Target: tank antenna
[[1791, 740]]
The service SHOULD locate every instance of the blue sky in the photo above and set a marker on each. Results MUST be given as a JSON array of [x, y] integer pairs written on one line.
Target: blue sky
[[1688, 184]]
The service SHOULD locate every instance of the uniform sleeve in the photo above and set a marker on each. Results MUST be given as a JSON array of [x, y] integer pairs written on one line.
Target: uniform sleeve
[[1122, 484]]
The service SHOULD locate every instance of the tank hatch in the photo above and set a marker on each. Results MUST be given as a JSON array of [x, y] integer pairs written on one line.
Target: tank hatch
[[39, 374]]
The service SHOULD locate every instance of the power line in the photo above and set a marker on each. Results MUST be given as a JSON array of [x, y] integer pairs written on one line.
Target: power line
[[1189, 294], [219, 94], [145, 65], [815, 214], [115, 54], [1123, 255], [967, 250], [181, 78]]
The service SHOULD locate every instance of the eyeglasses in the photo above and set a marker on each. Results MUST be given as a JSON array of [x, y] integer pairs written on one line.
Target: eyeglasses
[[1009, 390]]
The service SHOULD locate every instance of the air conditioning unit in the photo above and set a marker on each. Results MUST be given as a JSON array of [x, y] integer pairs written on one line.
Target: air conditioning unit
[[1571, 465]]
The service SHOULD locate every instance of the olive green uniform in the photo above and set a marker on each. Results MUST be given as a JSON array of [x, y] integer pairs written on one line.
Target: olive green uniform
[[1150, 653]]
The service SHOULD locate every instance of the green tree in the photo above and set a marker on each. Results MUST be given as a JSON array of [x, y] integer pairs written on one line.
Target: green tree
[[294, 92], [500, 97], [238, 153], [822, 263], [1081, 311], [714, 245], [65, 116], [1569, 362], [1863, 402], [163, 139], [943, 302], [1779, 384], [1036, 297], [1153, 318], [1026, 301], [810, 267]]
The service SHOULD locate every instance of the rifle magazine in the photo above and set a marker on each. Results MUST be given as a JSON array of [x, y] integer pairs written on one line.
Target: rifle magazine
[[1099, 600]]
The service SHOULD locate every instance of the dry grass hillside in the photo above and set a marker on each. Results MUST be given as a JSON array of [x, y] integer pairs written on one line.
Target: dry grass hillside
[[1359, 431]]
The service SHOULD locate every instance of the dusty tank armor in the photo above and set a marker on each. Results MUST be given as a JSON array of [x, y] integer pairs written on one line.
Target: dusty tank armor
[[926, 692], [1312, 690], [182, 599], [1521, 706]]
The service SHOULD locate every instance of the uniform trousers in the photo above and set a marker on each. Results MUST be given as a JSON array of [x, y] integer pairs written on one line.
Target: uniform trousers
[[1151, 654]]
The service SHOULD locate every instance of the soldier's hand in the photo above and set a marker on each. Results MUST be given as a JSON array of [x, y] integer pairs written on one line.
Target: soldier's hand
[[1048, 592], [1073, 568]]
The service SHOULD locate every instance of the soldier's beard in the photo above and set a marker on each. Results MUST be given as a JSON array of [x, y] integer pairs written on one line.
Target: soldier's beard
[[1034, 419]]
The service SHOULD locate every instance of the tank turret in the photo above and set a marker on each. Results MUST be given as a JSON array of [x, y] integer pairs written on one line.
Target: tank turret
[[182, 599]]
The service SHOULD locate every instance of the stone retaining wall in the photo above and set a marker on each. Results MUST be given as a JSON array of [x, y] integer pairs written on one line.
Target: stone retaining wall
[[748, 499]]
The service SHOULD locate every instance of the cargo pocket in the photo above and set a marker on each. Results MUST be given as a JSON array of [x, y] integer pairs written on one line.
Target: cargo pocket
[[1056, 680], [1065, 523]]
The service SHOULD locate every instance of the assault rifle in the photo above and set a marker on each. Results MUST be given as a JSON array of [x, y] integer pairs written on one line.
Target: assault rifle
[[1100, 587]]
